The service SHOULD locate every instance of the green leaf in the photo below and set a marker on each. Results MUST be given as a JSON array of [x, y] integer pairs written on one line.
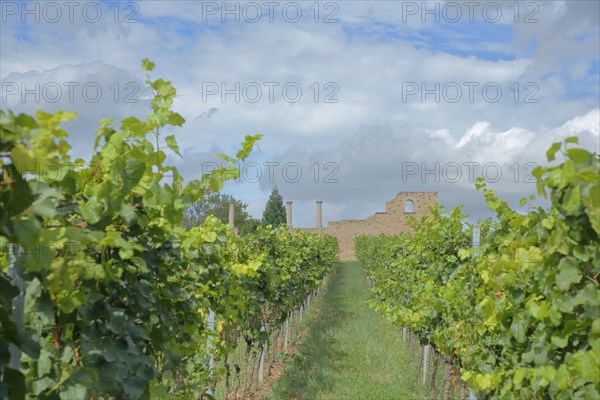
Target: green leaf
[[548, 223], [176, 119], [247, 146], [83, 376], [90, 211], [572, 139], [135, 387], [591, 203], [586, 365], [572, 199], [126, 253], [133, 173], [493, 203], [559, 340], [519, 376], [26, 121], [563, 380], [17, 196], [74, 391], [226, 158], [569, 171], [16, 383], [7, 291], [128, 213], [579, 155], [587, 296], [44, 208], [148, 65], [41, 385], [552, 151], [172, 144], [484, 381], [134, 127], [164, 88], [158, 119], [44, 365], [30, 343], [27, 232], [9, 329], [23, 159], [569, 273], [518, 330], [539, 310]]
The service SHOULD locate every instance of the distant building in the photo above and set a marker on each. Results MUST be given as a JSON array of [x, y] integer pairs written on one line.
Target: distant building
[[390, 222]]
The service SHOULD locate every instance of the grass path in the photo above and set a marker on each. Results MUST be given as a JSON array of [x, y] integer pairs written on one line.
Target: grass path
[[350, 352]]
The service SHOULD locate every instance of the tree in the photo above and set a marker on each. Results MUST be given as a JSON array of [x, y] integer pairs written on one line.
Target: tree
[[217, 204], [274, 213]]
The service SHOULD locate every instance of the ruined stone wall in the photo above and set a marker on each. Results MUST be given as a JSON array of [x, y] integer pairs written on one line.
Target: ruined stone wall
[[390, 222]]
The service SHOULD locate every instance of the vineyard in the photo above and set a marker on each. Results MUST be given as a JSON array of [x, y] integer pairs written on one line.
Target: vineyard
[[517, 312], [104, 294]]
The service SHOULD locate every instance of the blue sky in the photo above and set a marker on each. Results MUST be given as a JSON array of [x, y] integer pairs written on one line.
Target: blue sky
[[354, 63], [479, 39]]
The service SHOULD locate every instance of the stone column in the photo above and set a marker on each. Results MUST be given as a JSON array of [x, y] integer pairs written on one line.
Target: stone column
[[319, 214], [289, 214], [232, 214]]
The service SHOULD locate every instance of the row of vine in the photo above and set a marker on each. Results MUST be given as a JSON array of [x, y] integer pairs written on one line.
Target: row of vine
[[116, 291], [520, 316]]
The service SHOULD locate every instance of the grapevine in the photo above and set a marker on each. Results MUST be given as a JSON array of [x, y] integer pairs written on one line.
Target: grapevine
[[521, 319], [117, 292]]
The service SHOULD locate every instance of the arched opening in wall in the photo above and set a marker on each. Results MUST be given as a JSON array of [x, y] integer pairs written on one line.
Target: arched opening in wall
[[409, 207]]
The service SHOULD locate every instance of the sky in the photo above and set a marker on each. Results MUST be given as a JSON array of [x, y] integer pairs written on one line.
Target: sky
[[357, 100]]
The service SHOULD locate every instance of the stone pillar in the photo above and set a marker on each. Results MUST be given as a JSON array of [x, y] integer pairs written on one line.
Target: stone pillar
[[232, 214], [232, 218], [289, 214], [319, 214]]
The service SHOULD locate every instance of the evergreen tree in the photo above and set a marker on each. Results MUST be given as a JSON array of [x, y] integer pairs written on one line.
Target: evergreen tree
[[274, 213]]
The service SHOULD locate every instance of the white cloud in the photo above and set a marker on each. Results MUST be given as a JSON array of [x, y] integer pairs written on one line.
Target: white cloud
[[370, 56], [589, 122], [473, 133], [378, 162]]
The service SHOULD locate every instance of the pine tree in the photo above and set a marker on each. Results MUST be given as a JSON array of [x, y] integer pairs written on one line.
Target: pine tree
[[274, 213]]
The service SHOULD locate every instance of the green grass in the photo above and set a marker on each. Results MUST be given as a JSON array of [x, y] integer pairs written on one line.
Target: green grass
[[350, 351]]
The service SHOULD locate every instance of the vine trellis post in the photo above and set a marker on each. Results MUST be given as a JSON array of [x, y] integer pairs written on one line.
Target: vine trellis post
[[14, 268], [263, 350], [476, 240], [209, 344], [425, 362]]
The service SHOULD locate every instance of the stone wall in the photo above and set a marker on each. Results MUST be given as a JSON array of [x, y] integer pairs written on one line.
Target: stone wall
[[390, 222]]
